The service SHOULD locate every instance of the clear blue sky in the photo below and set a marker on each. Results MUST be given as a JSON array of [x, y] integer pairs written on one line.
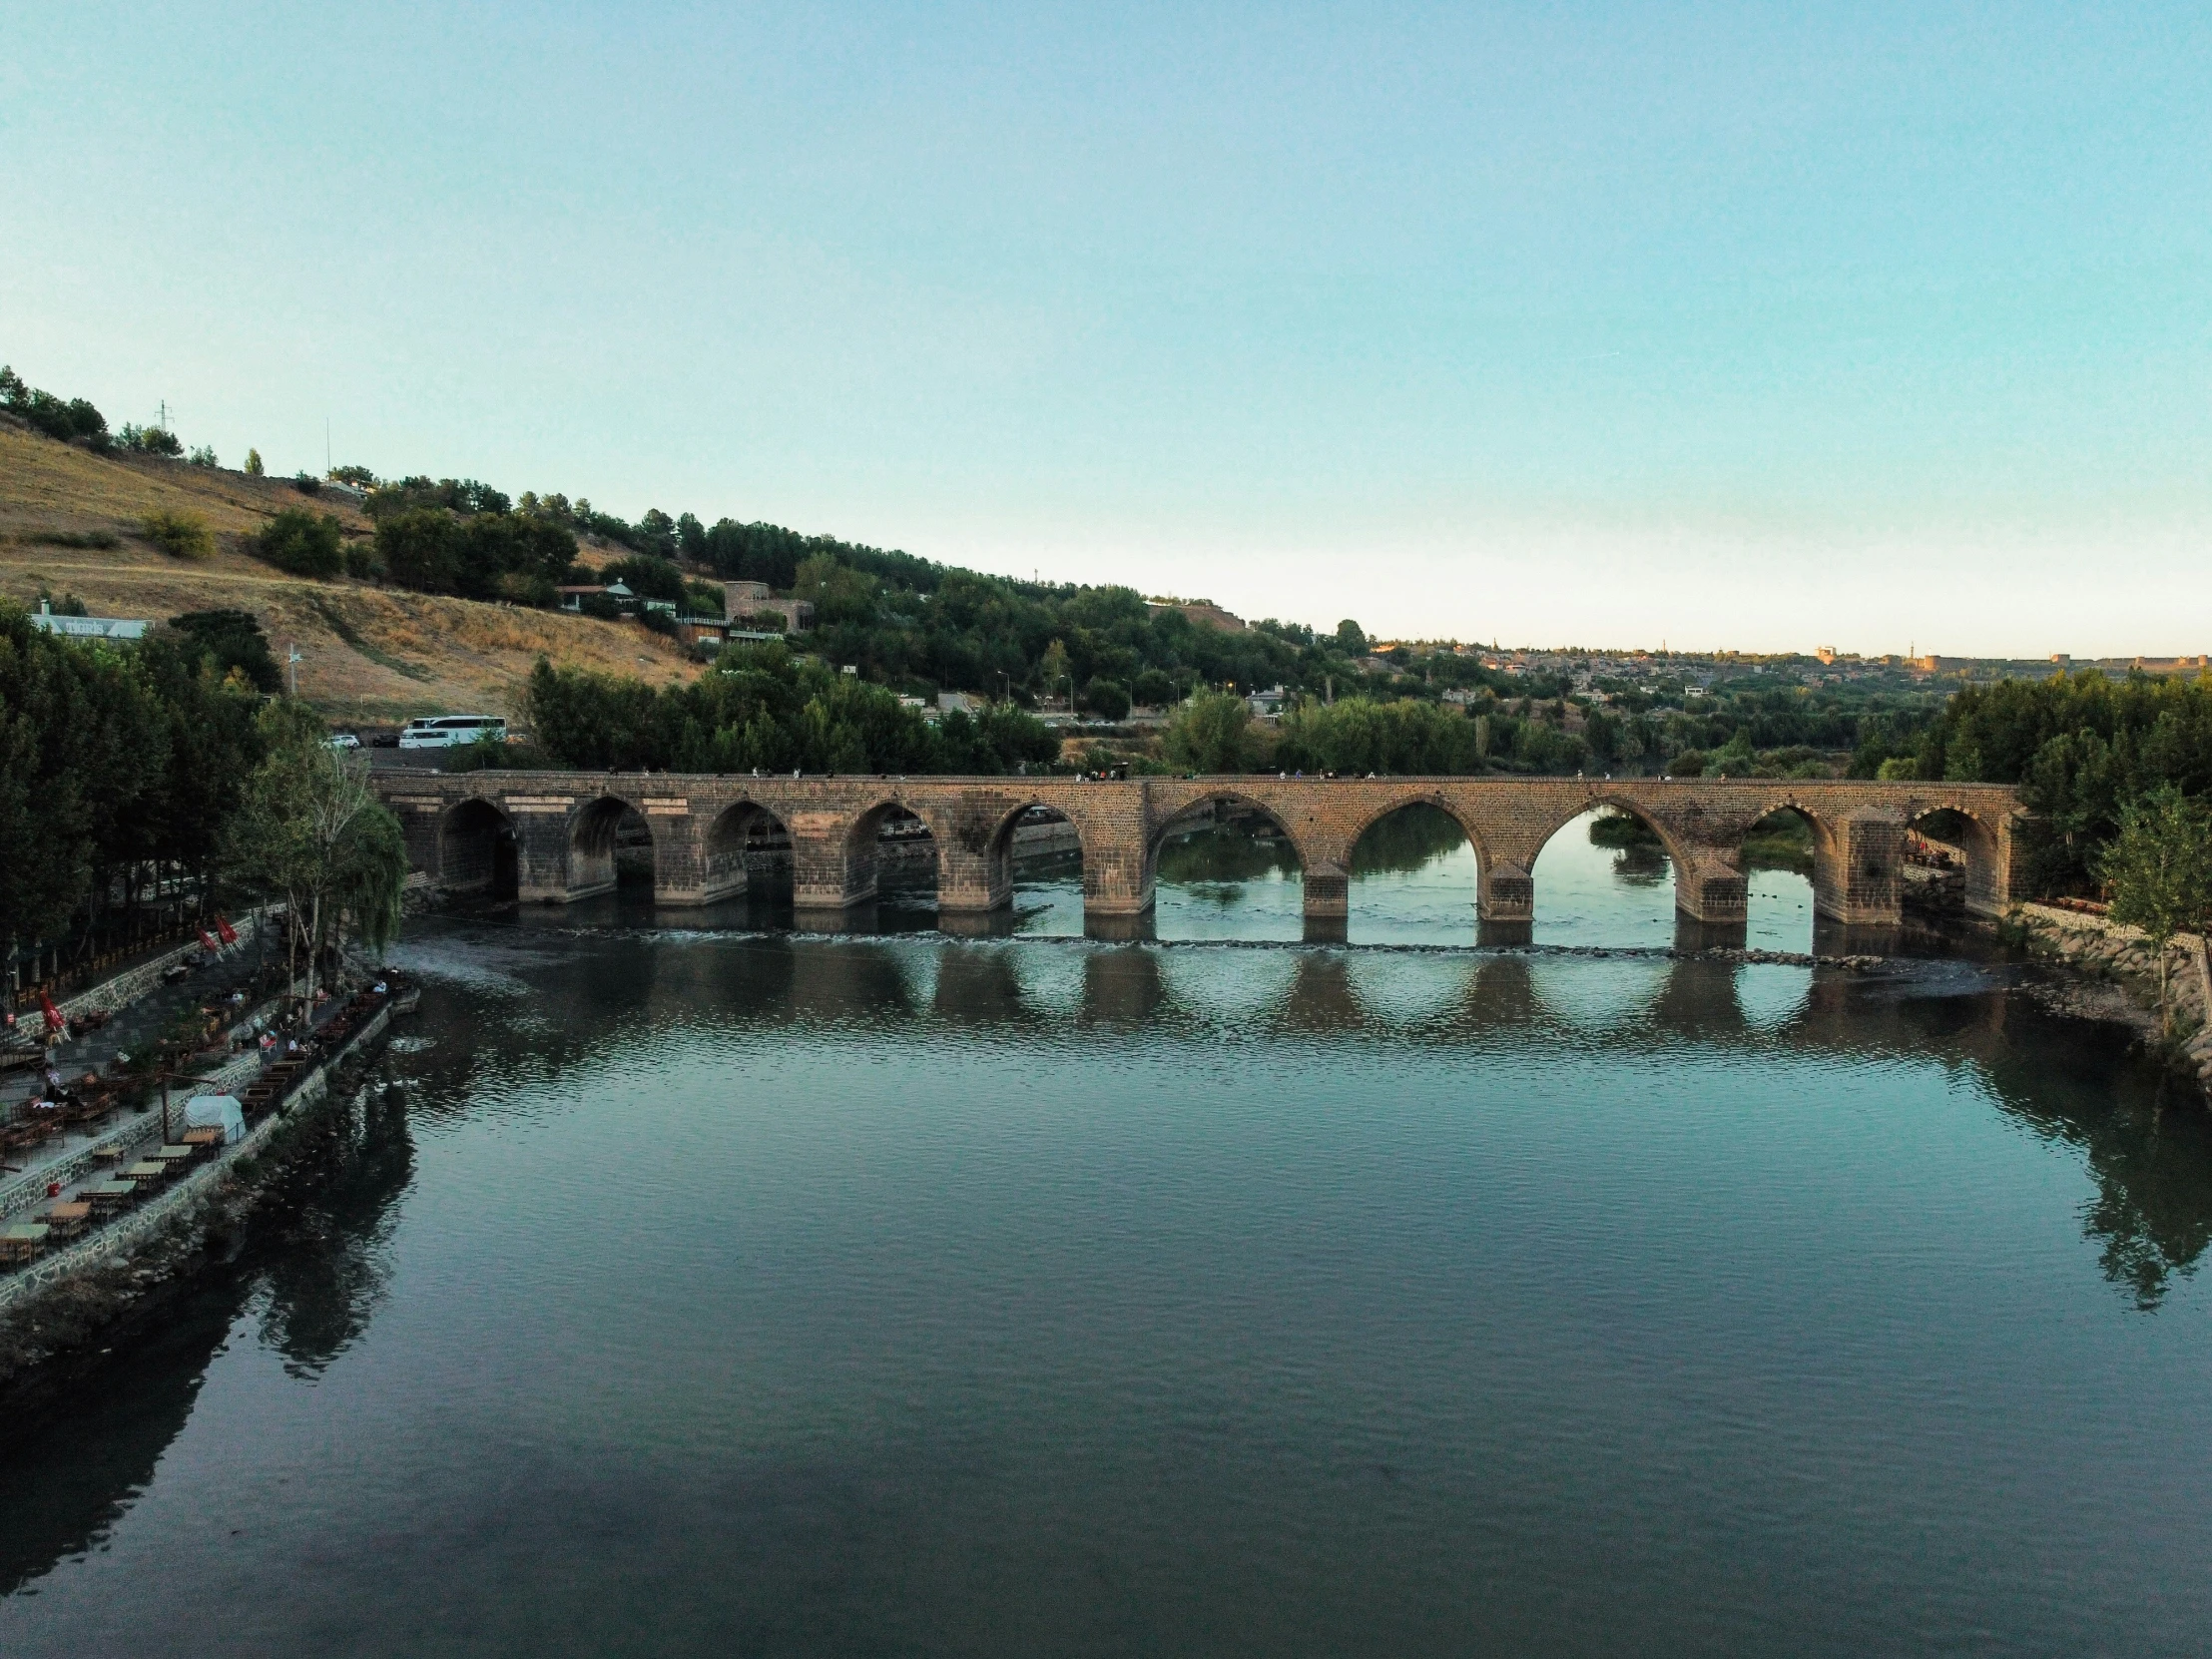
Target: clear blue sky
[[1734, 325]]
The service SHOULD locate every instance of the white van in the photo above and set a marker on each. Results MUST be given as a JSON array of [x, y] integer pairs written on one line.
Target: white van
[[444, 730]]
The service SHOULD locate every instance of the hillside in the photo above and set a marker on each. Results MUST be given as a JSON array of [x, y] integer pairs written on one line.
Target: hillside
[[371, 653]]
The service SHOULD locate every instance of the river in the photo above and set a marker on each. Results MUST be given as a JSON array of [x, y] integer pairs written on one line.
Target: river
[[706, 1289]]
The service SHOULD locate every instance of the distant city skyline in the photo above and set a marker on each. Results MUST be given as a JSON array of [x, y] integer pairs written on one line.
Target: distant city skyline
[[1880, 326]]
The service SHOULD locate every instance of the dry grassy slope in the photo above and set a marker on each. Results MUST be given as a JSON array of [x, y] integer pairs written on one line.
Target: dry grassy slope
[[411, 654]]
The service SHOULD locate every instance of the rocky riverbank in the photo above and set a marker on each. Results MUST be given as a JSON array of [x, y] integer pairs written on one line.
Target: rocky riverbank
[[2116, 978]]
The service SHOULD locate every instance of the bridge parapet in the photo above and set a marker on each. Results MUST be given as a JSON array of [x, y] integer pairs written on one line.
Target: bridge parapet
[[554, 836]]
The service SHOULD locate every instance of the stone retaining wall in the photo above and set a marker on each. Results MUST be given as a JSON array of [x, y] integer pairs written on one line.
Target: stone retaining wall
[[128, 1232], [126, 987], [2075, 937]]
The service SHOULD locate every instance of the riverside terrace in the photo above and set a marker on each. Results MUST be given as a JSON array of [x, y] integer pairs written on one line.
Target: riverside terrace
[[551, 836]]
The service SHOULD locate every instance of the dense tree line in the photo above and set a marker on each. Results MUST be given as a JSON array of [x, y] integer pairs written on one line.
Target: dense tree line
[[116, 763], [2082, 748], [760, 709], [124, 766]]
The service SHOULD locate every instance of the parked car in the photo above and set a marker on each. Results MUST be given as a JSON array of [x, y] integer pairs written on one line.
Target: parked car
[[384, 740], [344, 740], [444, 730]]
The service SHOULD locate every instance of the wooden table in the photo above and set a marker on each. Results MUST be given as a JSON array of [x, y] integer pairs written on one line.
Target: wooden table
[[174, 1155], [106, 1155], [148, 1172], [109, 1197], [70, 1219], [202, 1139], [23, 1242]]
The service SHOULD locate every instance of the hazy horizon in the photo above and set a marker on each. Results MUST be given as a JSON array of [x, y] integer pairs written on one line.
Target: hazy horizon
[[1879, 328]]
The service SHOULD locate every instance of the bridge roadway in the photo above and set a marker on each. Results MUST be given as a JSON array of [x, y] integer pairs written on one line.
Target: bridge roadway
[[550, 836]]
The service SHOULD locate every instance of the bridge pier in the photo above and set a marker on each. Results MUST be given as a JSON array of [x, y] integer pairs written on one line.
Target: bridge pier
[[831, 869], [1327, 891], [686, 868], [1855, 879], [1709, 889], [547, 868], [972, 883]]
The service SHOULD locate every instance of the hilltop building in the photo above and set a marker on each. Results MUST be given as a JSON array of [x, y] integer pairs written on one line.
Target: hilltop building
[[753, 599]]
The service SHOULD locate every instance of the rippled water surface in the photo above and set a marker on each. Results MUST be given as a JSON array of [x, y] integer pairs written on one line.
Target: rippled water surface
[[732, 1292]]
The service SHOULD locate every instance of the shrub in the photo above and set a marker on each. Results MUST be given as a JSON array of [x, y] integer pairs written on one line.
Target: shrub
[[303, 543], [103, 539], [204, 456], [362, 560], [181, 535], [307, 483]]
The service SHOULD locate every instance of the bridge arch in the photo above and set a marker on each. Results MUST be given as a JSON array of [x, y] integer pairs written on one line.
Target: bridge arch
[[476, 849], [1221, 862], [1670, 837], [609, 839], [1471, 824], [1778, 912], [747, 849], [1413, 859], [1983, 844], [1052, 828], [1573, 883], [897, 833]]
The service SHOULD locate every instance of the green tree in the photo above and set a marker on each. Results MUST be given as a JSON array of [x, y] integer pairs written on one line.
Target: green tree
[[309, 829], [2159, 869], [1210, 734], [253, 467], [303, 543], [1052, 670], [1107, 698], [421, 549]]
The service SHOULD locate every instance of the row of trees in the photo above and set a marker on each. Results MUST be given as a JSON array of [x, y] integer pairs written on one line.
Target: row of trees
[[2082, 749], [763, 708], [126, 770]]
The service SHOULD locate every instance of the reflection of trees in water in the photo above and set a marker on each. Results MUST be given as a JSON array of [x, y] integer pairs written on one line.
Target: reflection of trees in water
[[2071, 1081], [84, 1446], [1407, 840], [86, 1443], [1224, 853], [2151, 1163], [323, 1238]]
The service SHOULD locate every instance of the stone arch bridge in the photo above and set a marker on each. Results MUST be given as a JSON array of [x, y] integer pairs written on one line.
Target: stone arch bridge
[[550, 836]]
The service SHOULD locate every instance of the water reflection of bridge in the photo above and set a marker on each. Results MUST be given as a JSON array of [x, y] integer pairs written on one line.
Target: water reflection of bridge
[[80, 1454], [555, 837]]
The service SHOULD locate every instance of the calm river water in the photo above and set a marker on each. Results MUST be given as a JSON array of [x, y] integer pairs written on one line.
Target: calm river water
[[724, 1292]]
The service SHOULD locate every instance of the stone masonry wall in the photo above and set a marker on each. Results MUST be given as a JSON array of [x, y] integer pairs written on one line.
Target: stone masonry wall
[[561, 823]]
